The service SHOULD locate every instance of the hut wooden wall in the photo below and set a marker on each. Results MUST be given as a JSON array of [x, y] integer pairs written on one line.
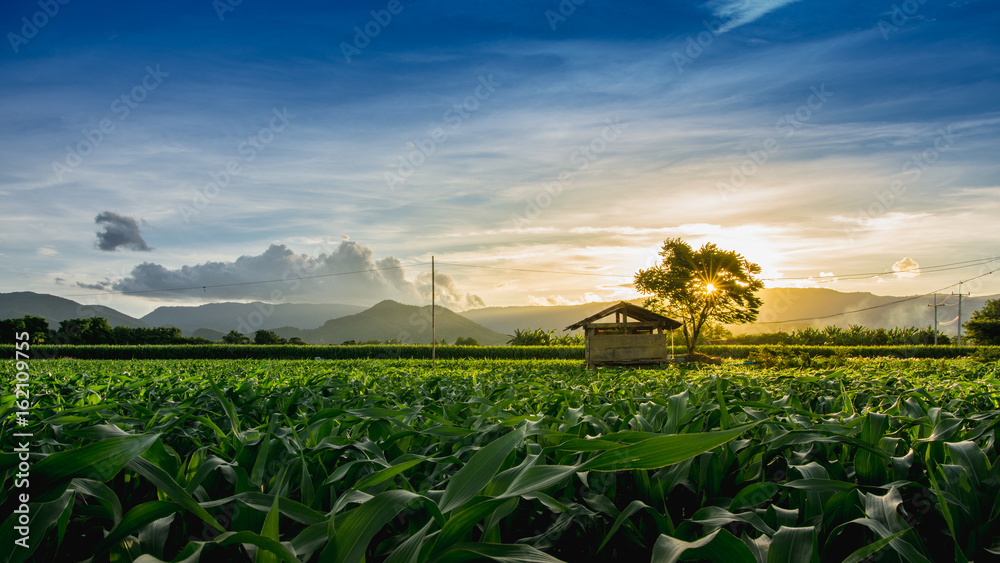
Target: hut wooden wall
[[626, 348]]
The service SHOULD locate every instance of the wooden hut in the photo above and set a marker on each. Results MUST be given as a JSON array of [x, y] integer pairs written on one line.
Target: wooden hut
[[637, 336]]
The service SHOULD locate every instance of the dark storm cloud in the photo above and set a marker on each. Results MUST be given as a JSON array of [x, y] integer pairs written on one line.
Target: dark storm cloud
[[119, 232]]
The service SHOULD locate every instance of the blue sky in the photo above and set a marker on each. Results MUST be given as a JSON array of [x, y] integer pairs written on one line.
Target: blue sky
[[187, 144]]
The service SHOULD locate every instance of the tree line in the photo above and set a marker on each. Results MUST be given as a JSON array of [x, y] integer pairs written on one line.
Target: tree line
[[97, 331], [708, 297], [262, 337], [853, 335], [92, 330]]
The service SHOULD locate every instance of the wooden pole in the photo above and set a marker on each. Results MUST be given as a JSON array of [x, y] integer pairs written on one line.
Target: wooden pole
[[935, 305], [959, 313], [433, 319]]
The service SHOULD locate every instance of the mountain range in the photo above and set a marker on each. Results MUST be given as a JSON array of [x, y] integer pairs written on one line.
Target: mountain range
[[248, 317], [55, 309], [404, 323], [784, 309]]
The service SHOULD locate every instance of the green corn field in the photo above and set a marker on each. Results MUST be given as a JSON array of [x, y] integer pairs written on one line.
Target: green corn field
[[504, 460]]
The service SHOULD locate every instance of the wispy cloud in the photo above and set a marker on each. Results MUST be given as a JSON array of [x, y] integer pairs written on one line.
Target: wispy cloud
[[818, 203], [560, 300], [742, 12]]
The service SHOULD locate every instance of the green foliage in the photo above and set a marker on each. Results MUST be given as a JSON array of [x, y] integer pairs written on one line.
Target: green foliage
[[125, 336], [568, 340], [36, 327], [540, 337], [988, 354], [374, 342], [750, 351], [854, 335], [984, 326], [309, 352], [235, 337], [423, 351], [384, 460], [463, 341], [697, 287], [714, 332], [267, 338], [531, 337], [95, 331]]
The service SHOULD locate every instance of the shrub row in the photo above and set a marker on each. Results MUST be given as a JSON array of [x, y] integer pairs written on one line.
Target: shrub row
[[749, 351], [353, 352], [286, 352]]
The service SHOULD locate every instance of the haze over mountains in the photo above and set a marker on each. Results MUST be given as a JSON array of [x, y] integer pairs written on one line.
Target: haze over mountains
[[405, 323], [336, 323], [54, 309], [248, 317], [781, 310]]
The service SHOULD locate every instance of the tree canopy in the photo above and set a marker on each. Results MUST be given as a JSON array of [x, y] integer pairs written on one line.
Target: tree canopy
[[235, 337], [700, 286], [267, 337], [984, 326], [36, 327]]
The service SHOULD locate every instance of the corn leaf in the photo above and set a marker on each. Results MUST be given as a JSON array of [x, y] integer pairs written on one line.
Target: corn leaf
[[655, 453]]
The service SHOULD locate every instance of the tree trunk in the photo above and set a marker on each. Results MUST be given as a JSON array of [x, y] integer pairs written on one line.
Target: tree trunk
[[689, 339]]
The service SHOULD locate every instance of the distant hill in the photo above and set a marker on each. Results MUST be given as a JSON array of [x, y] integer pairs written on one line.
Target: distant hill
[[336, 323], [248, 317], [406, 323], [782, 306], [55, 309], [209, 334], [506, 319]]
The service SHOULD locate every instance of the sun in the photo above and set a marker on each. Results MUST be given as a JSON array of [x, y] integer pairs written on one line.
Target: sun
[[709, 287]]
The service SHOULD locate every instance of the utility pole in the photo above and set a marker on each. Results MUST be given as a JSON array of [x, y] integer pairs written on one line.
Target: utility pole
[[434, 325], [960, 312], [935, 305]]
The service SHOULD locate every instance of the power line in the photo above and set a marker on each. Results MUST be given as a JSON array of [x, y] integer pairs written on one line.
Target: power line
[[832, 277], [536, 271], [922, 270], [879, 306]]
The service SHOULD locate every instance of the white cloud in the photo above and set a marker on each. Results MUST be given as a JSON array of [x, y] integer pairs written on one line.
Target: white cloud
[[349, 273], [741, 12], [447, 292], [906, 268]]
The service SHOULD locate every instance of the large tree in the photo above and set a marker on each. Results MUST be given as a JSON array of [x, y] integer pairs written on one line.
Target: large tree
[[235, 337], [699, 286], [984, 326], [36, 327], [268, 337]]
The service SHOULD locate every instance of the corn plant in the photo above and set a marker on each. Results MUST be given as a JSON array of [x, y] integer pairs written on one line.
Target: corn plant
[[506, 460]]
